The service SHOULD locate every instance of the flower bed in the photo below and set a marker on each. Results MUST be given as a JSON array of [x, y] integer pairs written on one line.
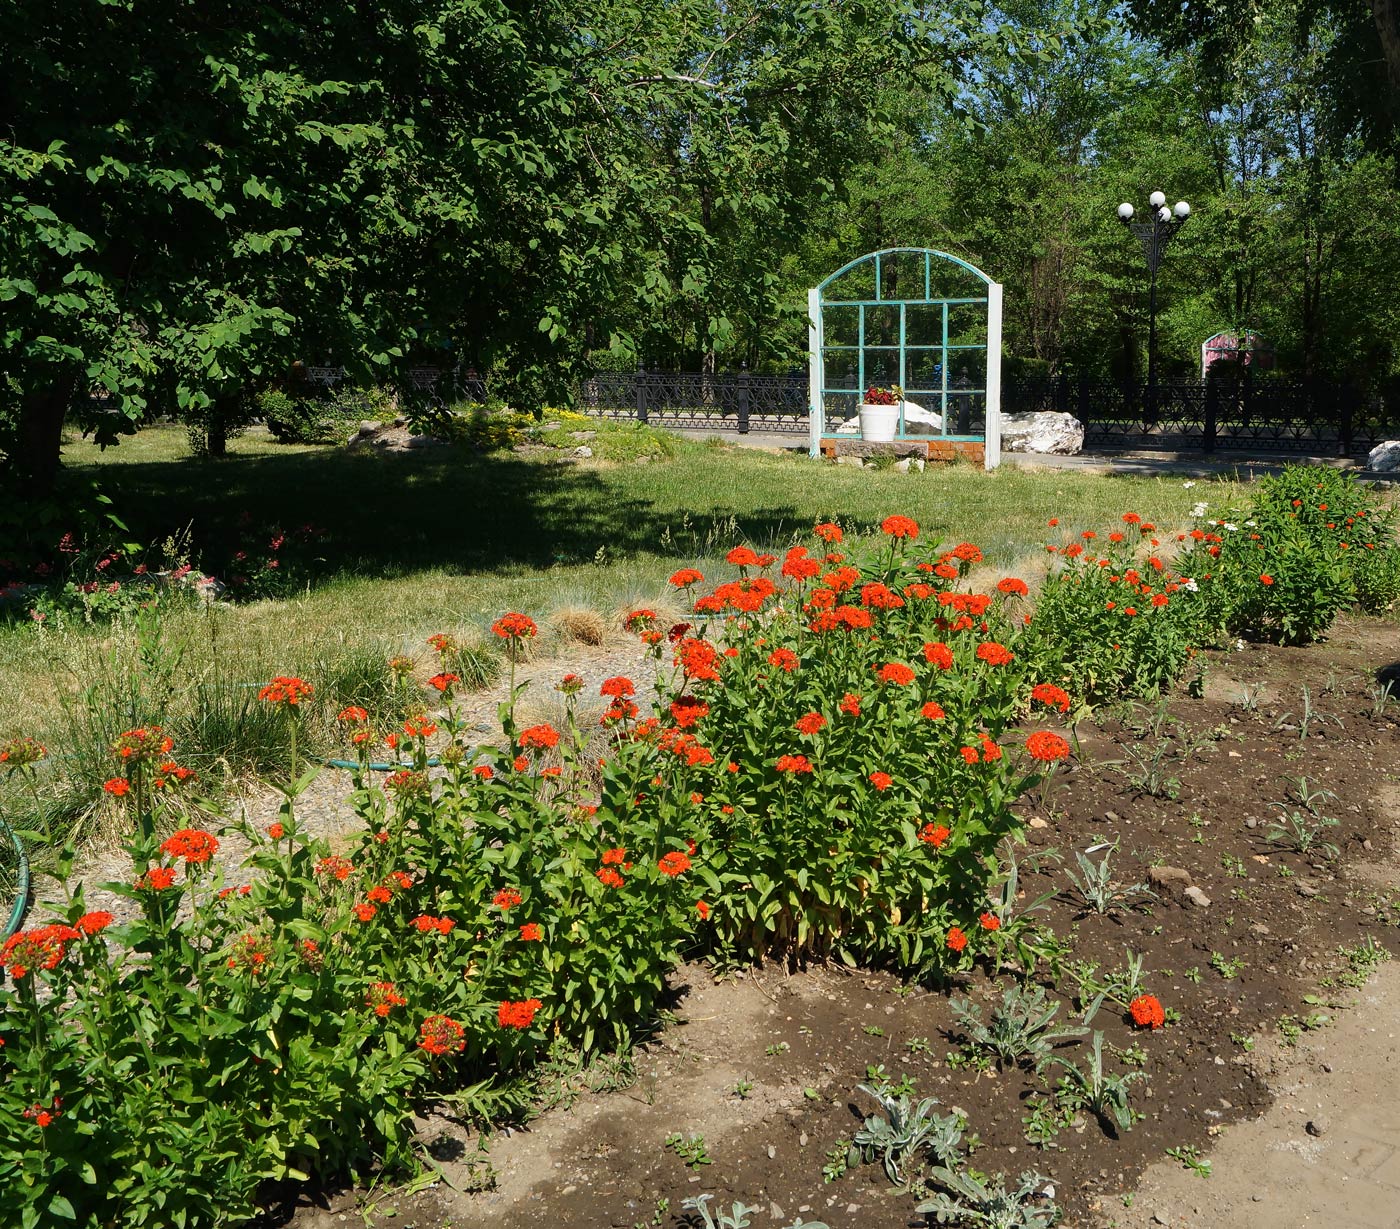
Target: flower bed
[[829, 773]]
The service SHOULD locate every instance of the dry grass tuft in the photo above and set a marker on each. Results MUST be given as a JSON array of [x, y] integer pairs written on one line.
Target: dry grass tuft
[[579, 625]]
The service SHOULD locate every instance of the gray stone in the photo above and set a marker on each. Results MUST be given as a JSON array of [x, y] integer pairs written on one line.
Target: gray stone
[[1384, 458], [854, 462], [1318, 1125], [1045, 431], [582, 435], [1194, 896], [583, 452], [903, 466]]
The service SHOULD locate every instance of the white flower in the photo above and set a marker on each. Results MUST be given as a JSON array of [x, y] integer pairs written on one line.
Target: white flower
[[1229, 528], [1186, 486], [1199, 510], [1190, 585]]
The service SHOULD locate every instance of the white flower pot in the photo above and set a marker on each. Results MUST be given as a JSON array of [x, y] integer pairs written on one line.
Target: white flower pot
[[878, 423]]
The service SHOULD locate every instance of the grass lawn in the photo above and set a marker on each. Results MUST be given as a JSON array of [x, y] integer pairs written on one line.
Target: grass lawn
[[447, 539]]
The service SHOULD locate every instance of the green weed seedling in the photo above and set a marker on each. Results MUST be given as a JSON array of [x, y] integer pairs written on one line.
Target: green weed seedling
[[1020, 1029], [737, 1217], [1095, 884], [1228, 969], [904, 1130], [1095, 1090], [969, 1198], [1190, 1157], [691, 1151]]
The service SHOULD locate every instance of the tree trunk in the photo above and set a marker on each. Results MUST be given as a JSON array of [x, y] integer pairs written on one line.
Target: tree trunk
[[41, 415], [1387, 17], [220, 415]]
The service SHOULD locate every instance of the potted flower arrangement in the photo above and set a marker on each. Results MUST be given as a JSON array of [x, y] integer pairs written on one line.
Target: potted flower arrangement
[[879, 413]]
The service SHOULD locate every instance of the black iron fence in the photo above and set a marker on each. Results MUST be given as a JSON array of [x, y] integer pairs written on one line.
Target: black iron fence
[[1264, 415]]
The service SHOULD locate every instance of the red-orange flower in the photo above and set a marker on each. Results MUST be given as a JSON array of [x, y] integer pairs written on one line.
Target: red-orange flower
[[365, 912], [157, 879], [990, 921], [119, 786], [615, 857], [995, 654], [828, 532], [810, 723], [1051, 696], [610, 878], [1266, 579], [379, 894], [938, 654], [40, 948], [673, 864], [531, 932], [795, 764], [881, 780], [850, 704], [956, 939], [515, 626], [424, 923], [933, 711], [543, 736], [276, 831], [191, 844], [1046, 746], [440, 1035], [934, 834], [783, 659], [506, 899], [286, 689], [900, 527], [382, 997], [1147, 1011], [22, 752], [442, 682], [619, 688], [1014, 586], [895, 672], [686, 577], [94, 922], [335, 866], [518, 1015], [687, 710]]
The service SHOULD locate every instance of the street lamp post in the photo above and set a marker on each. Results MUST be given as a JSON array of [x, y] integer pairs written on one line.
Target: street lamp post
[[1155, 235]]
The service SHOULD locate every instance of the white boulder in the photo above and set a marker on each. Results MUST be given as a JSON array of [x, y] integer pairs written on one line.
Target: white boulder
[[1385, 458], [917, 421], [1045, 431]]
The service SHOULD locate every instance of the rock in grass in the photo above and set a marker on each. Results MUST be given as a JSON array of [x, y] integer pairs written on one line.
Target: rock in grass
[[1195, 897]]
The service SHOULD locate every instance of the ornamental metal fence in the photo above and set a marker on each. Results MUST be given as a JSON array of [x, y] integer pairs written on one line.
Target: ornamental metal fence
[[1268, 415]]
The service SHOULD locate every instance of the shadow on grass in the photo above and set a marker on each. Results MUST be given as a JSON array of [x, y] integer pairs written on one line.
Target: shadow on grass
[[392, 516]]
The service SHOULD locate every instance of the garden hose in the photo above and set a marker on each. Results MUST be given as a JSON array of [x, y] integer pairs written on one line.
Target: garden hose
[[22, 885], [373, 767]]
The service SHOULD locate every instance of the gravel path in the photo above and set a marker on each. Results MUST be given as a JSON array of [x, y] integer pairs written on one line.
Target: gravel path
[[323, 809]]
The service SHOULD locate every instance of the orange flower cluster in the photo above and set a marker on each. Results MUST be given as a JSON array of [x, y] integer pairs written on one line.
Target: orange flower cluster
[[157, 879], [440, 1035], [144, 745], [938, 654], [828, 532], [543, 736], [746, 596], [1051, 696], [21, 752], [687, 710], [895, 672], [934, 834], [698, 659], [900, 527], [251, 953], [881, 780], [382, 998], [956, 939], [441, 682], [515, 626], [334, 867], [1147, 1011], [798, 566], [425, 924], [783, 659], [1013, 587], [673, 864], [810, 723], [686, 577], [506, 899], [531, 932], [95, 922], [192, 845], [995, 654], [40, 948], [795, 764], [286, 689], [1046, 746], [518, 1015]]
